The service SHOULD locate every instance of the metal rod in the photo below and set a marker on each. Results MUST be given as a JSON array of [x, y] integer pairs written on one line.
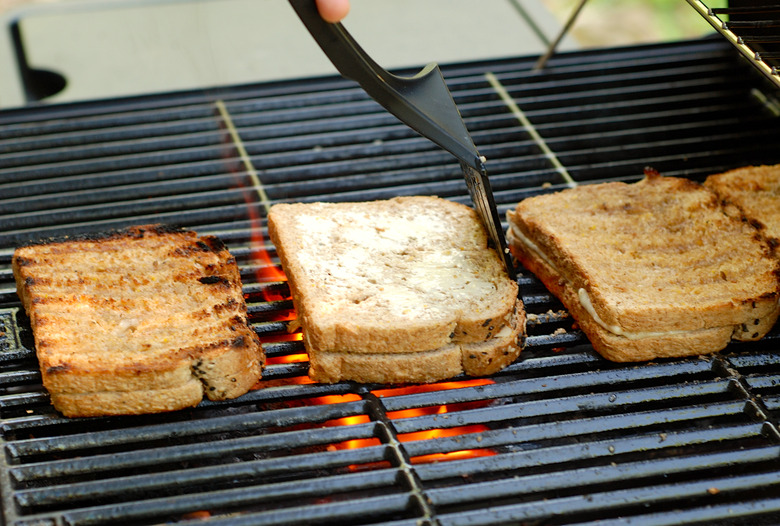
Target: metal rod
[[554, 44]]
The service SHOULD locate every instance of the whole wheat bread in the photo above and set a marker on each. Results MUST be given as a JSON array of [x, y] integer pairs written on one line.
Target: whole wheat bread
[[143, 320], [474, 359], [651, 269], [752, 193], [393, 291]]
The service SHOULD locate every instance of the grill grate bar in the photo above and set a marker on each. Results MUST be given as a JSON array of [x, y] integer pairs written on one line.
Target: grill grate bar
[[615, 427], [95, 464], [670, 467], [602, 502], [134, 146], [567, 405], [225, 499], [150, 434], [748, 25], [634, 445], [587, 379], [339, 513], [173, 217], [135, 486], [705, 514]]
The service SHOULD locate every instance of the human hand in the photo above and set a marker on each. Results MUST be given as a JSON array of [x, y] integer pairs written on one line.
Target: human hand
[[333, 10]]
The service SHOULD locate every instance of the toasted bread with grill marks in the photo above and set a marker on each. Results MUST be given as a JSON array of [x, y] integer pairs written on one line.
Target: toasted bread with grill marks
[[752, 193], [143, 320], [409, 276], [651, 269]]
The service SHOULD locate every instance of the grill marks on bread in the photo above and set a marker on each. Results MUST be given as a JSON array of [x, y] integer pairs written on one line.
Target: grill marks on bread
[[666, 272], [384, 290], [143, 320]]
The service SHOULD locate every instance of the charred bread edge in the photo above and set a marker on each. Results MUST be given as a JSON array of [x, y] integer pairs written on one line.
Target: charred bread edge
[[136, 231]]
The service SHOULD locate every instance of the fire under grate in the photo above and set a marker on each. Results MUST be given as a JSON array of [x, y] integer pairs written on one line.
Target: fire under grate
[[559, 437]]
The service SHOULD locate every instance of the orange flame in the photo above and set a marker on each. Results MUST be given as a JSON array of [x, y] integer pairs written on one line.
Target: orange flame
[[284, 359], [294, 337], [442, 409], [443, 433], [409, 413], [266, 271], [288, 358], [346, 421], [250, 186]]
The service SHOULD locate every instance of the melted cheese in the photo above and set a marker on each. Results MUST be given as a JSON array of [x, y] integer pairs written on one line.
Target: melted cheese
[[534, 248], [582, 295]]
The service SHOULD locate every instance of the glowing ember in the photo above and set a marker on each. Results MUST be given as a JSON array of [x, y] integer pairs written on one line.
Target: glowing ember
[[199, 515], [282, 338], [287, 359]]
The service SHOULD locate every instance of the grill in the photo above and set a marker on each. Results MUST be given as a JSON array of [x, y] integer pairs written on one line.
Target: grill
[[559, 437], [751, 26]]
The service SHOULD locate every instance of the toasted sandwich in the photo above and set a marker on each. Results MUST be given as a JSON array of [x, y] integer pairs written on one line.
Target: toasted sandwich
[[650, 269], [404, 290]]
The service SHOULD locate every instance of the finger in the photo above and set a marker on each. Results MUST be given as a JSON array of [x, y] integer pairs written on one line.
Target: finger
[[333, 10]]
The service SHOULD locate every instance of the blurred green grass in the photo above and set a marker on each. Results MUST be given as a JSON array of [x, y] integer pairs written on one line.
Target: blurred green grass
[[617, 22]]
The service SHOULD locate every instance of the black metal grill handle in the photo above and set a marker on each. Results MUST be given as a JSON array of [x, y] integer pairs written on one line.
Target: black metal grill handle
[[422, 101]]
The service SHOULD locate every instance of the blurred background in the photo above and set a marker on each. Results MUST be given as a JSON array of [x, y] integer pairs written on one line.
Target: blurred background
[[613, 22], [70, 50]]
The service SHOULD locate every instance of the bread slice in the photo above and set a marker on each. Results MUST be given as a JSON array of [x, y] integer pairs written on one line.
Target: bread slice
[[143, 320], [474, 359], [753, 193], [651, 269], [409, 280]]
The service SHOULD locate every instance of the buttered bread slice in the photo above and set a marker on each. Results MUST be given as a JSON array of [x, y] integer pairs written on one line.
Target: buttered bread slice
[[400, 276], [651, 269]]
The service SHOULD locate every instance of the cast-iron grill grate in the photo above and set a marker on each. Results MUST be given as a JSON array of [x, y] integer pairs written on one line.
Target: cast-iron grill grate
[[559, 437]]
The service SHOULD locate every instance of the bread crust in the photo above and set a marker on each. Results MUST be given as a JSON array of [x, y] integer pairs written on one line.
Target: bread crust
[[405, 276], [144, 401], [705, 279], [473, 359], [148, 309]]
